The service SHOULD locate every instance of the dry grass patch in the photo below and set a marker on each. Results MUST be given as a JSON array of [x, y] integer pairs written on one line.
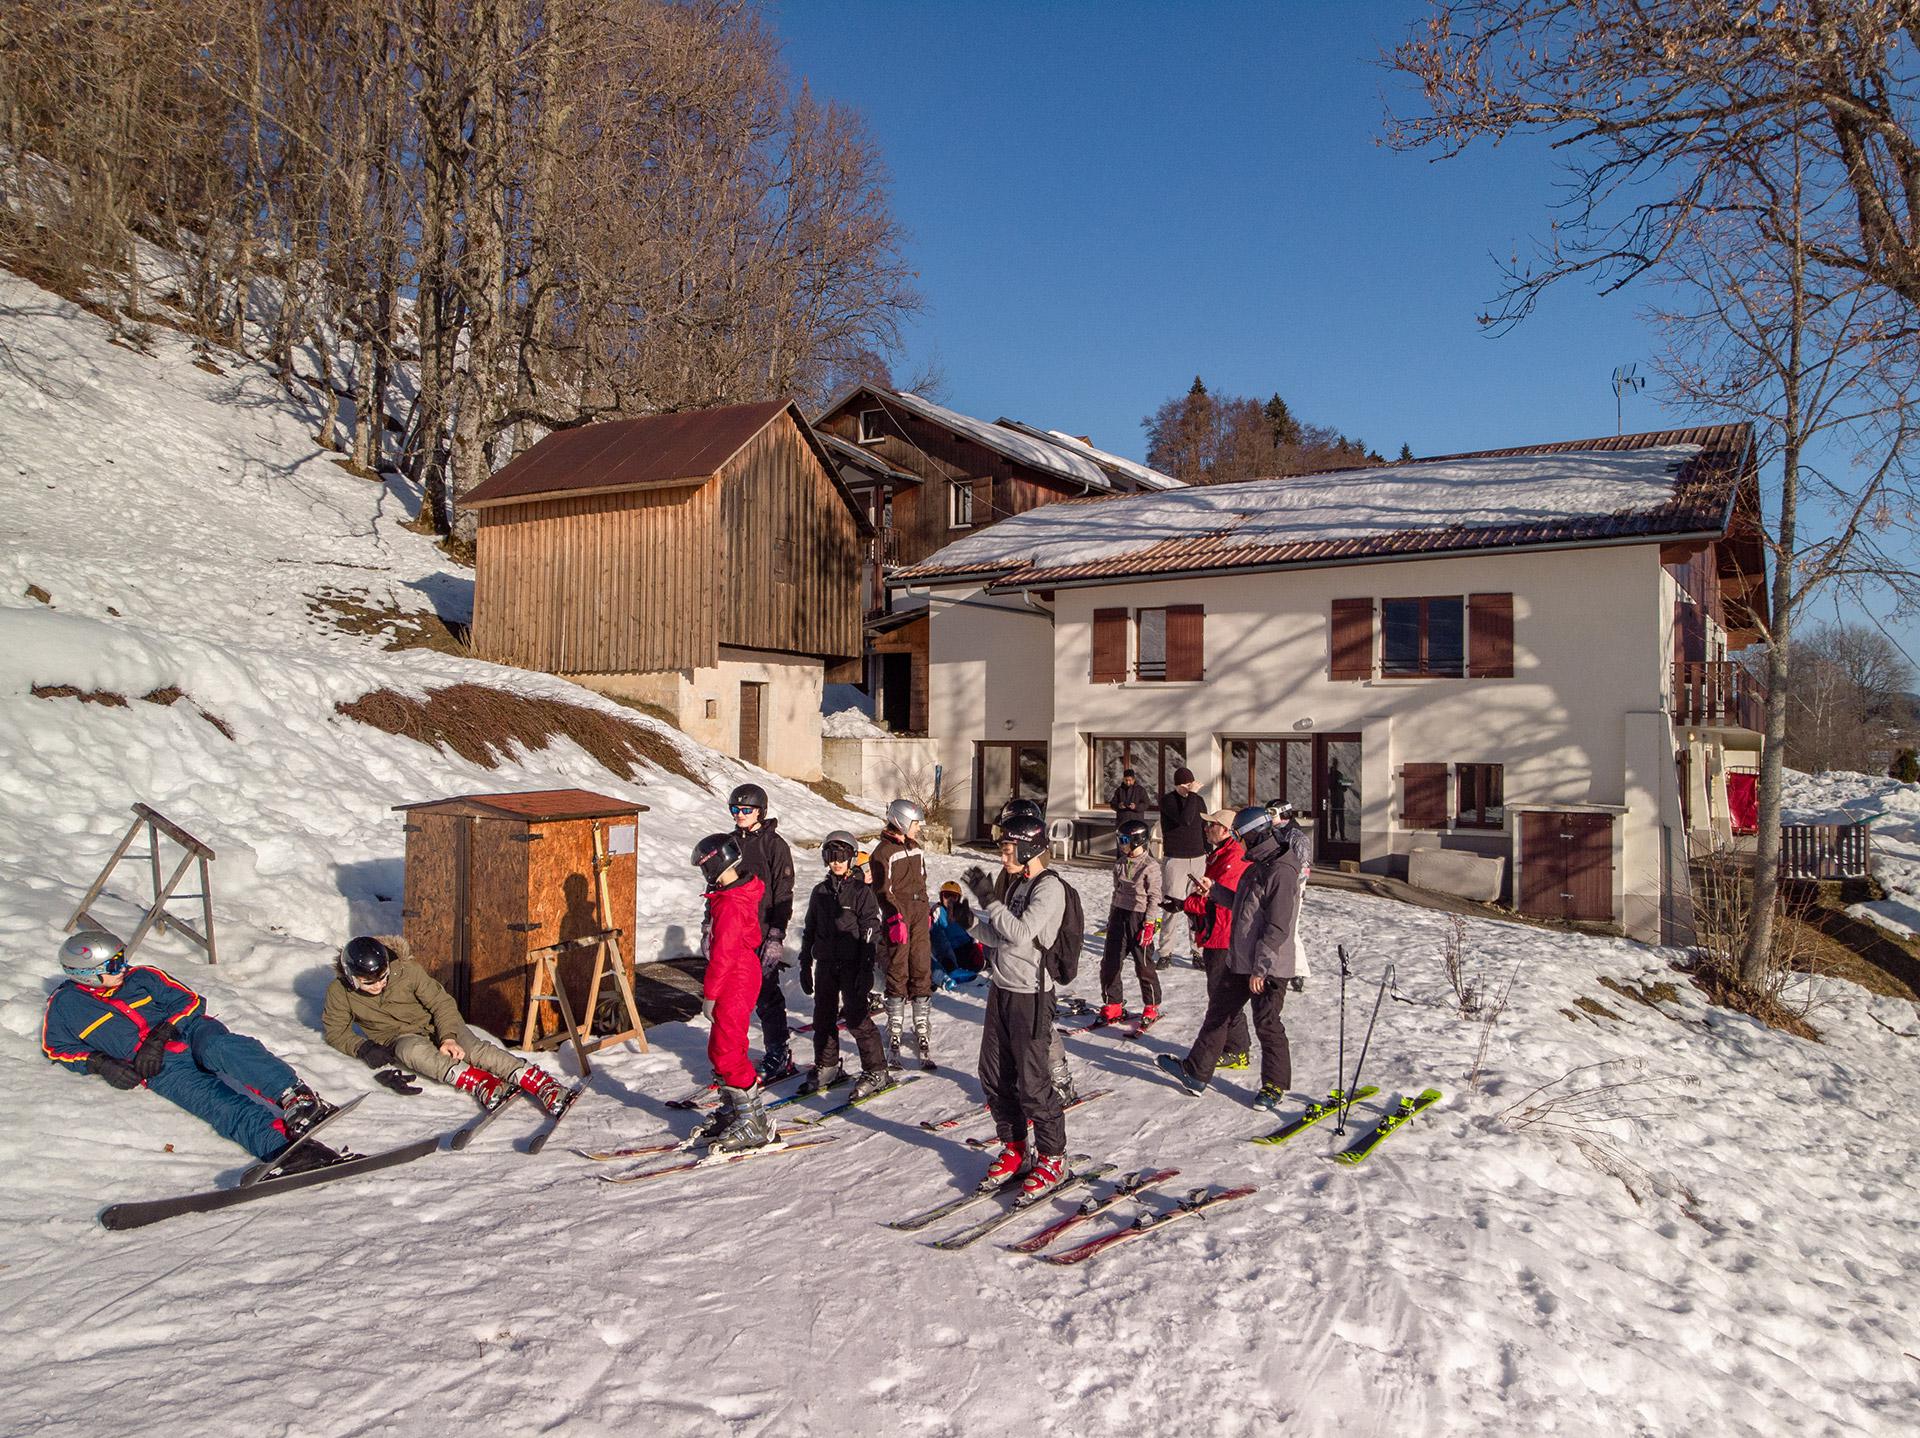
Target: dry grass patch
[[483, 725], [356, 613], [164, 697]]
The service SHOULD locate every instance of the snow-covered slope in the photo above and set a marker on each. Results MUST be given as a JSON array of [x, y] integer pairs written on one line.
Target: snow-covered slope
[[1893, 809], [1734, 1250]]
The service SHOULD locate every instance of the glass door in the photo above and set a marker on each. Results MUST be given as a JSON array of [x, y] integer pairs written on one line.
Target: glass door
[[1006, 771], [1336, 799]]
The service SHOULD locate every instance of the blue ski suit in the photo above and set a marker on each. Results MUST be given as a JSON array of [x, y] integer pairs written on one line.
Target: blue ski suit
[[228, 1079]]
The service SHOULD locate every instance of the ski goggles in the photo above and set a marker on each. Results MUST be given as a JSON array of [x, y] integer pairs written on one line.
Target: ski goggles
[[110, 968], [837, 852], [743, 808]]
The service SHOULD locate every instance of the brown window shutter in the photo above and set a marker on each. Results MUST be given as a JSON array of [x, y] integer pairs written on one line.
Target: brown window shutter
[[1423, 796], [1186, 641], [1109, 646], [1352, 639], [1490, 636]]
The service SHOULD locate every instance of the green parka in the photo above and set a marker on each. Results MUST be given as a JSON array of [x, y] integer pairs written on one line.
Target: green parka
[[411, 1003]]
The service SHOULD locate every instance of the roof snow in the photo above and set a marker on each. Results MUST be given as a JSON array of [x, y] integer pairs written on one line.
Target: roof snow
[[1034, 452], [1139, 473]]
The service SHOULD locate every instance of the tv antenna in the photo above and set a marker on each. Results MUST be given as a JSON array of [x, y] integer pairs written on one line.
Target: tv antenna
[[1625, 377]]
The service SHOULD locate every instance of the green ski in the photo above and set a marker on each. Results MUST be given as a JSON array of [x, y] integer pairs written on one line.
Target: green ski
[[1315, 1112], [1407, 1108]]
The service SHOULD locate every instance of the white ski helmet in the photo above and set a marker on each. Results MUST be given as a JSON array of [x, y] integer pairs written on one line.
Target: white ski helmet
[[92, 954], [903, 814]]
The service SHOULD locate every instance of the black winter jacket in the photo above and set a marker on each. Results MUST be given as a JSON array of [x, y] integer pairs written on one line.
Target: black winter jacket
[[765, 855], [1182, 821], [843, 918]]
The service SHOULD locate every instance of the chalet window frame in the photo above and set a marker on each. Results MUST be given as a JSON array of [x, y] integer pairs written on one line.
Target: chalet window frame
[[1241, 771], [872, 426], [960, 504], [1157, 776], [1146, 670], [1478, 789], [1423, 662]]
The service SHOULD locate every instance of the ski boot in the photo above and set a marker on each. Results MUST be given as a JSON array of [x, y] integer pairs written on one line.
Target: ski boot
[[487, 1089], [1188, 1080], [777, 1065], [871, 1082], [1062, 1079], [751, 1128], [896, 1021], [822, 1077], [1270, 1097], [1049, 1171], [923, 1033], [305, 1159], [301, 1108], [717, 1122], [1011, 1163], [1149, 1016], [1111, 1013], [542, 1087], [1235, 1061]]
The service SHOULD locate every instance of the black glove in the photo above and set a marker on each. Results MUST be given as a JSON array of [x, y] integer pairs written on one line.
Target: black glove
[[152, 1052], [806, 976], [1172, 906], [976, 879], [1298, 984], [120, 1075], [396, 1080], [376, 1056]]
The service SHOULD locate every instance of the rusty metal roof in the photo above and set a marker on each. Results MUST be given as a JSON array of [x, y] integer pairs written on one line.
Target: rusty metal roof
[[628, 453], [534, 805], [1702, 501]]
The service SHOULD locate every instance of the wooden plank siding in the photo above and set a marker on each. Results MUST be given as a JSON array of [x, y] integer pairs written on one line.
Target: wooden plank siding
[[791, 549]]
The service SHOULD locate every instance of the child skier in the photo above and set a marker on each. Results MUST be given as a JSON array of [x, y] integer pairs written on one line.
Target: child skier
[[836, 967], [1014, 1042], [956, 957], [1263, 955], [406, 1020], [768, 858], [732, 987], [139, 1026], [1136, 895], [899, 876]]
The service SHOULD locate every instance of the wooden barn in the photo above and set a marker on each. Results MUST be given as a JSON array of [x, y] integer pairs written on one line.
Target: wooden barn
[[706, 563]]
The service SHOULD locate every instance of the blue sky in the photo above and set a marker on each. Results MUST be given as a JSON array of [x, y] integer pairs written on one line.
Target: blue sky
[[1107, 199]]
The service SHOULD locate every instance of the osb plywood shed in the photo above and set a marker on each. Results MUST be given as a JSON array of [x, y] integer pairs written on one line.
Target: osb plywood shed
[[490, 878]]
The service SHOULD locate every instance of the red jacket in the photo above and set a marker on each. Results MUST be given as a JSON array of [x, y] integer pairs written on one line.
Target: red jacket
[[1214, 909], [733, 938]]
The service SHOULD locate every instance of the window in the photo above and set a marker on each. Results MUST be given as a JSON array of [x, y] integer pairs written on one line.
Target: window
[[960, 504], [1152, 760], [1423, 638], [873, 426], [1150, 650], [1268, 771], [1480, 797]]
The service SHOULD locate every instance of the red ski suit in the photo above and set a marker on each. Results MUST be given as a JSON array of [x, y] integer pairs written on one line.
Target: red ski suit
[[1225, 865], [733, 977]]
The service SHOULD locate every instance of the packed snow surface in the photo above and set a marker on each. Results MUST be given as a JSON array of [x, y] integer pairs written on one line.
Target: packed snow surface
[[1893, 808], [1352, 504], [1726, 1246]]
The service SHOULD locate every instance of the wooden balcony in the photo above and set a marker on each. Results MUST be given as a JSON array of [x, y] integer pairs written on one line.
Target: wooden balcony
[[1826, 851], [1719, 695]]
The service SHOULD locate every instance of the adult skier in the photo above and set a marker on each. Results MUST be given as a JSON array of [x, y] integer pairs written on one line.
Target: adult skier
[[1183, 840], [898, 871], [766, 856], [137, 1026], [836, 967], [1210, 908], [1128, 800], [1136, 894], [1014, 1048], [731, 989], [1263, 955], [406, 1020]]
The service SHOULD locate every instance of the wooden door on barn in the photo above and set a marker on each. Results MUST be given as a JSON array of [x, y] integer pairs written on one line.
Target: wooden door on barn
[[752, 722], [1566, 866]]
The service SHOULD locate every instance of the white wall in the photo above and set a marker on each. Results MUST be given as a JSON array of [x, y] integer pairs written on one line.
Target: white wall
[[989, 676], [706, 704]]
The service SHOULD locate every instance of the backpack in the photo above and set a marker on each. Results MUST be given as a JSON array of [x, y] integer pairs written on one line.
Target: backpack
[[1062, 957]]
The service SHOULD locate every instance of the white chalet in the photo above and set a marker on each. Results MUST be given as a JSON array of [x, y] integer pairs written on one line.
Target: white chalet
[[1519, 654]]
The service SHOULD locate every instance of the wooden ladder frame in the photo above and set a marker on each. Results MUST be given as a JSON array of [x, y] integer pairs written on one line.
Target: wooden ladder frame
[[156, 916]]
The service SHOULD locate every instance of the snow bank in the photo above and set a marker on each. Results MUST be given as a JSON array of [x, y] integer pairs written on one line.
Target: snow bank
[[1893, 808], [851, 724]]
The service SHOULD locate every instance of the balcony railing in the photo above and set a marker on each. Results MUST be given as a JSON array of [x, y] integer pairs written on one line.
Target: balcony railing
[[1826, 851], [1718, 695]]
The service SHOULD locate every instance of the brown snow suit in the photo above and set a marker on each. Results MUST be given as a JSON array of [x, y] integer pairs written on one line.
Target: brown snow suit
[[898, 872]]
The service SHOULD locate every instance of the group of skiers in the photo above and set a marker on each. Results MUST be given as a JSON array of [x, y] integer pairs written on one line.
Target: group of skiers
[[868, 918]]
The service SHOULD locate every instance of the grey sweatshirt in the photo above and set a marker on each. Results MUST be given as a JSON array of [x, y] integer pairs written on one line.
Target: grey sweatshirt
[[1019, 929]]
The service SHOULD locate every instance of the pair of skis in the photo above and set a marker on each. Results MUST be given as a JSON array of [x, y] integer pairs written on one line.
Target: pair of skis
[[913, 1223], [1193, 1205], [1402, 1114]]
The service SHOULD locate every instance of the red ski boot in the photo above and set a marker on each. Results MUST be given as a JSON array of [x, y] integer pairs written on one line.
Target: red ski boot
[[542, 1087], [1011, 1163], [1047, 1173], [485, 1087], [1110, 1013]]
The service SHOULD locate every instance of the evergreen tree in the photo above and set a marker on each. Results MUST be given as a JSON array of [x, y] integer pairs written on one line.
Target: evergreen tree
[[1906, 767], [1280, 420], [1406, 453]]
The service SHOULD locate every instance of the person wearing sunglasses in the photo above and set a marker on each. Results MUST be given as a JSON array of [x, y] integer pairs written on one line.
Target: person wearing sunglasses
[[136, 1026], [836, 967], [766, 856]]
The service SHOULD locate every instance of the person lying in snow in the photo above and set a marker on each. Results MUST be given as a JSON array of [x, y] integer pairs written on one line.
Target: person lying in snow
[[137, 1026], [956, 956], [406, 1020]]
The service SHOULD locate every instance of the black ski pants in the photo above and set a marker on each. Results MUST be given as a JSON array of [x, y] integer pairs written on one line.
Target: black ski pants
[[1231, 993], [1237, 1040], [1016, 1069], [1123, 942], [841, 988], [771, 1010]]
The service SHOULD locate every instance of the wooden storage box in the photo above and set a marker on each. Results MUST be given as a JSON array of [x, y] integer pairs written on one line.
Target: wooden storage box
[[493, 877]]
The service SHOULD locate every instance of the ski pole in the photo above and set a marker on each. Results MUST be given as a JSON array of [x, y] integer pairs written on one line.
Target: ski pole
[[1361, 1062], [1340, 1066]]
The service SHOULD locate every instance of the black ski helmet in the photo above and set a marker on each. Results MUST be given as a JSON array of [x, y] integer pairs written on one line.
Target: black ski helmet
[[838, 846], [1017, 809], [745, 794], [714, 855], [1253, 827], [1134, 834], [366, 959], [1027, 835]]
